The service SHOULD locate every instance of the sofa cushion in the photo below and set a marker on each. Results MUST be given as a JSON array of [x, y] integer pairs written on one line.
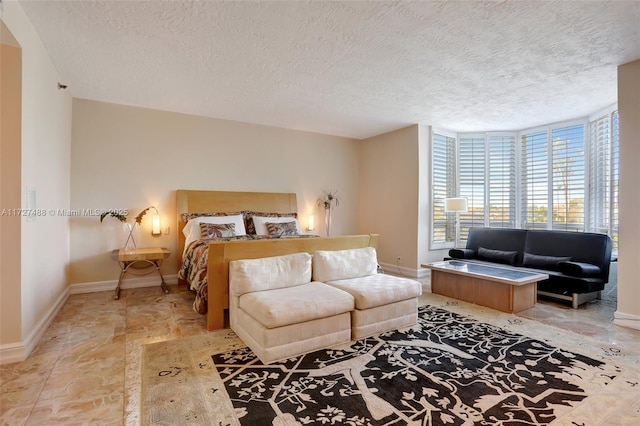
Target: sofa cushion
[[579, 269], [378, 289], [543, 262], [501, 256], [297, 304], [269, 273], [342, 264]]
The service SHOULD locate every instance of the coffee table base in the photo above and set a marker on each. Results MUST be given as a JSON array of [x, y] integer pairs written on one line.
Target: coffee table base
[[502, 297]]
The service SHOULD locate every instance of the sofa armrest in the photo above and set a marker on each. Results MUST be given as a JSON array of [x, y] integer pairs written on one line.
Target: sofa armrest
[[579, 269], [462, 253]]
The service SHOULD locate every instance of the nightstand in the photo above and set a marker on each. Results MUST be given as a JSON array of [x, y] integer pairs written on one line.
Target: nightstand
[[142, 259]]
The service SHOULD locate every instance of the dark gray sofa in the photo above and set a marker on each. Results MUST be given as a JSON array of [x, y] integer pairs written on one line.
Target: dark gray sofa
[[577, 262]]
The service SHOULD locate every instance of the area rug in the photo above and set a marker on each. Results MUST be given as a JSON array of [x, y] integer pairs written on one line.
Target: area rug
[[450, 369]]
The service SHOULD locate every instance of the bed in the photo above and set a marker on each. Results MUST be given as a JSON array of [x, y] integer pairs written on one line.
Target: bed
[[221, 251]]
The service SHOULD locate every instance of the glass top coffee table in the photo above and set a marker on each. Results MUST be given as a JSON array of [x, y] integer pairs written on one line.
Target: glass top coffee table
[[498, 287]]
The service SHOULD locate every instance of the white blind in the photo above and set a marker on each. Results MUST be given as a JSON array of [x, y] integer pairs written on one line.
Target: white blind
[[472, 166], [600, 174], [615, 174], [502, 181], [535, 180], [568, 166], [444, 186]]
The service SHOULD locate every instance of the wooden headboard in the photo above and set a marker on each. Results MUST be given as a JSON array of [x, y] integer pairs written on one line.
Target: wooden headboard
[[194, 201]]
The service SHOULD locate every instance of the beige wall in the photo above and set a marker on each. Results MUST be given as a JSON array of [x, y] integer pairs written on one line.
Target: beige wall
[[395, 197], [628, 312], [130, 158], [10, 168], [45, 166], [389, 195]]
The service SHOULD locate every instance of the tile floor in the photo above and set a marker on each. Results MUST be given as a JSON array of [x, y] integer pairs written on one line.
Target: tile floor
[[86, 368]]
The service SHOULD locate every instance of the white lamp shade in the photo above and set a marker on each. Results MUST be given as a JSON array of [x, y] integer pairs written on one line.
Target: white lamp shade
[[155, 225], [455, 204]]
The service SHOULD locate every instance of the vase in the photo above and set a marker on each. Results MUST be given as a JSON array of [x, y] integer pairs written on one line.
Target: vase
[[130, 243], [327, 220]]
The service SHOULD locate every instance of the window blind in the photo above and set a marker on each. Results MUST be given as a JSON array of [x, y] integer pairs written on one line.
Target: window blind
[[568, 168], [535, 180], [615, 174], [600, 174], [443, 186], [472, 176], [502, 181]]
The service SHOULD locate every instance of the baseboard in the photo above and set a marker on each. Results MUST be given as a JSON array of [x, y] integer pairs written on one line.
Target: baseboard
[[12, 352], [626, 320], [16, 352], [404, 271], [110, 285]]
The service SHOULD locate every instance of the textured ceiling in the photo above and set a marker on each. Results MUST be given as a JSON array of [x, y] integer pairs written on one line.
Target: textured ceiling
[[345, 68]]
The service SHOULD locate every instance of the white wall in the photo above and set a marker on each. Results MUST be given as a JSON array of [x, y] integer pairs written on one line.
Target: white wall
[[628, 312], [46, 141], [130, 158]]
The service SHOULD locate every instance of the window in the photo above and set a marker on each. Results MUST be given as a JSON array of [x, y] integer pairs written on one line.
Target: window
[[472, 166], [568, 173], [501, 181], [562, 176], [553, 176], [604, 157], [535, 180], [615, 173], [599, 172], [443, 185]]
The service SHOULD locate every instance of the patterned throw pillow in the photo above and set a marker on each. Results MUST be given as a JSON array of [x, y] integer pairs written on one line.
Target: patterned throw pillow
[[282, 228], [214, 230], [248, 218]]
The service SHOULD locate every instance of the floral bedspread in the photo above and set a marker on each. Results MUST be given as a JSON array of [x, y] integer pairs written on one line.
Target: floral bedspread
[[194, 265]]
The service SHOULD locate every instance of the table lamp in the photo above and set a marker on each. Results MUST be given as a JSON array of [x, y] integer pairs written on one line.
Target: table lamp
[[456, 205]]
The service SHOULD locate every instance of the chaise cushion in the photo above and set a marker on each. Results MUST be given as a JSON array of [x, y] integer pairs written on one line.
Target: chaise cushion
[[297, 304], [269, 273], [342, 264], [378, 289]]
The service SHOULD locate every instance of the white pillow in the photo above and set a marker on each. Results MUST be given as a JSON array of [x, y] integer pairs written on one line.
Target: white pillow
[[192, 231], [259, 223]]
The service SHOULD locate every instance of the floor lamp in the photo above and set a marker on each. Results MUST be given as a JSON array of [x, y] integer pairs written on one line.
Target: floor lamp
[[456, 205]]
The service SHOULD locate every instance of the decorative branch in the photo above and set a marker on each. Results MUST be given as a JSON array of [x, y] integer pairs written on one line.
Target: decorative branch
[[142, 213], [328, 199], [119, 216]]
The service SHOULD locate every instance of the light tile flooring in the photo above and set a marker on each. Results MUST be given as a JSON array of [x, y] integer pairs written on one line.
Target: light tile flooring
[[84, 369]]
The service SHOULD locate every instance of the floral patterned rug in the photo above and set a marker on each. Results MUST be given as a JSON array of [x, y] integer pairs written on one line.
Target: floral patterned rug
[[450, 369]]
